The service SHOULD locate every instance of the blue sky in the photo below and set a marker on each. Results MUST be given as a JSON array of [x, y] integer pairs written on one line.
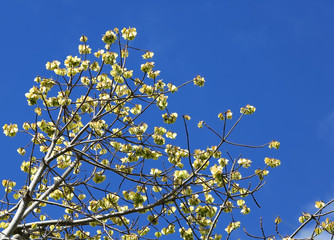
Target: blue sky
[[275, 55]]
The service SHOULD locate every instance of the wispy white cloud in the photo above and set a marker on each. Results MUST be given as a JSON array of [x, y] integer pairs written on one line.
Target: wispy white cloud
[[307, 231]]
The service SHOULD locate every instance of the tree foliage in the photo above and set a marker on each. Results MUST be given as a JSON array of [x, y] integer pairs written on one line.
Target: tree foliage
[[96, 168]]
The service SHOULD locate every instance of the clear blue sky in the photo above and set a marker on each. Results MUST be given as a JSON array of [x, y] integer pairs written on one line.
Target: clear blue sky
[[275, 55]]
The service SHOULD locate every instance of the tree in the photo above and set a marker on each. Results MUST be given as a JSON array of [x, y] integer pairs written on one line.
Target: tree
[[97, 170]]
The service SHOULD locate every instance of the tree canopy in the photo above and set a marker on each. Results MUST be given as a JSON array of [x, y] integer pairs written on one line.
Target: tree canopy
[[98, 168]]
